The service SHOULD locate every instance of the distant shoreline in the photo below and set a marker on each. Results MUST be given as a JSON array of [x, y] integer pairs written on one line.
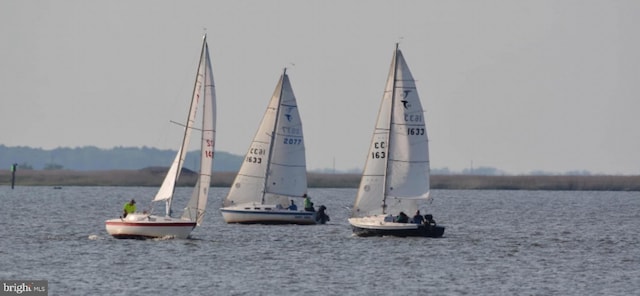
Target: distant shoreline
[[154, 177]]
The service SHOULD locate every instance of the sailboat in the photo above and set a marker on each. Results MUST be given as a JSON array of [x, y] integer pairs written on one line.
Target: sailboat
[[147, 225], [274, 172], [396, 174]]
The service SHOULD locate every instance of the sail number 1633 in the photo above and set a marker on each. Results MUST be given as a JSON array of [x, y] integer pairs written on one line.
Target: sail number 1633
[[379, 154], [415, 131]]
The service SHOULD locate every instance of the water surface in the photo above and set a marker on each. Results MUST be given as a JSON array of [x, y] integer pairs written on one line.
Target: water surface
[[496, 243]]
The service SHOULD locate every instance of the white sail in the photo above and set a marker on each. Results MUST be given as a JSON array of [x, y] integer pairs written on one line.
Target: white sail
[[166, 189], [396, 173], [275, 164], [146, 225], [168, 185], [196, 207]]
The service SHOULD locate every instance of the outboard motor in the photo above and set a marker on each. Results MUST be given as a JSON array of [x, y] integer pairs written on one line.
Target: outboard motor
[[321, 216]]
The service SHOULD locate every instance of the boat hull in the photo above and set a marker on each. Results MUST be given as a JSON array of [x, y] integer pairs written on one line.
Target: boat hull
[[376, 226], [139, 226], [265, 214]]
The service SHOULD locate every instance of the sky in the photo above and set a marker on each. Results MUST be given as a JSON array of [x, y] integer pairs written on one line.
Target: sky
[[521, 86]]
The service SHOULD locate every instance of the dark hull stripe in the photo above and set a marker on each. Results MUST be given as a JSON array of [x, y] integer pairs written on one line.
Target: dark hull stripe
[[269, 222], [422, 231], [249, 212], [192, 224]]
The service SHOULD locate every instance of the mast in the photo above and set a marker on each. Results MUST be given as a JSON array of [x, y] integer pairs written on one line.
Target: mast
[[188, 126], [391, 120], [273, 136]]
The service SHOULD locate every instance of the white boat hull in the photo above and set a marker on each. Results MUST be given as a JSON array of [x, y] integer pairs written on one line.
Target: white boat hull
[[266, 214], [140, 226], [377, 226]]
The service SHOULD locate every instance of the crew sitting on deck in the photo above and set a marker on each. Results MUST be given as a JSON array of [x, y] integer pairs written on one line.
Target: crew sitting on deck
[[417, 218], [308, 205], [293, 206], [129, 208], [402, 218]]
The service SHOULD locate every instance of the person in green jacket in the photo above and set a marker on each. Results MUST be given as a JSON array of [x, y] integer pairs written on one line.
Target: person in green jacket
[[308, 205], [129, 208]]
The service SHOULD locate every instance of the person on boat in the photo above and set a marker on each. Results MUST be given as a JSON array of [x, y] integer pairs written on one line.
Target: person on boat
[[129, 207], [402, 218], [322, 216], [293, 206], [308, 205], [428, 220], [417, 218]]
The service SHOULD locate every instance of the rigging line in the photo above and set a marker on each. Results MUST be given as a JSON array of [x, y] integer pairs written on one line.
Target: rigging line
[[391, 122], [178, 123], [192, 127]]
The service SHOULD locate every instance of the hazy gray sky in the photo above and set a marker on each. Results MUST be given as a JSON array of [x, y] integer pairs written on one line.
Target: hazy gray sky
[[518, 85]]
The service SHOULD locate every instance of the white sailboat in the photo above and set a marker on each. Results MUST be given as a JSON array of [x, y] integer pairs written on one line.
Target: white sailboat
[[274, 171], [396, 174], [146, 225]]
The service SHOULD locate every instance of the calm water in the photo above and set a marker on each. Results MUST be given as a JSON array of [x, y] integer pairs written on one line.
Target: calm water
[[496, 243]]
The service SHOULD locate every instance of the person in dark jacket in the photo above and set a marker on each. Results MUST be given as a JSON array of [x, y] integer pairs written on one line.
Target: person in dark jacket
[[417, 218], [293, 206], [402, 218]]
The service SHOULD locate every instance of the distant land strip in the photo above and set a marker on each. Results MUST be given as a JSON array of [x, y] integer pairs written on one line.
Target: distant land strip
[[154, 177]]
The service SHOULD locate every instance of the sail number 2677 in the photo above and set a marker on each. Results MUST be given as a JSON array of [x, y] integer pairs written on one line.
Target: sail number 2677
[[292, 141]]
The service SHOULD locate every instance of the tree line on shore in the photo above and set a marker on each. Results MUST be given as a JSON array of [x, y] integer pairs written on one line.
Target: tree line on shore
[[154, 176]]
